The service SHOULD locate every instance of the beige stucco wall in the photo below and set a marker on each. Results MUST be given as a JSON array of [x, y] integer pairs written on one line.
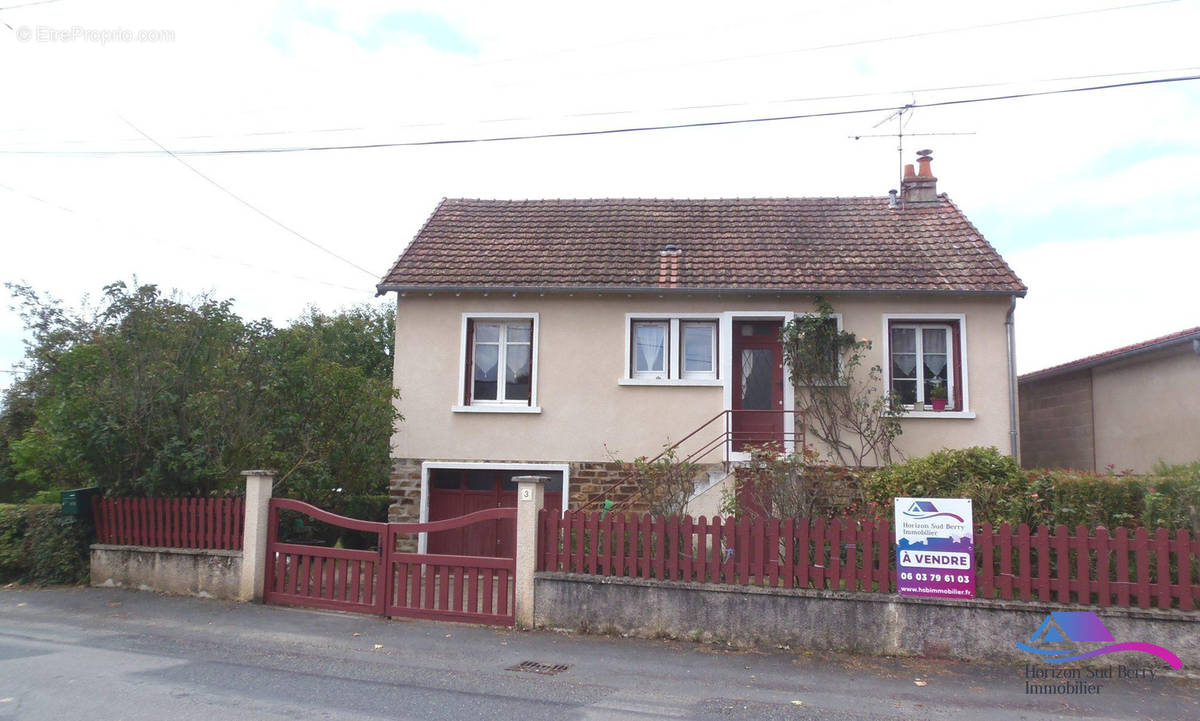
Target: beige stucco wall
[[1148, 409], [587, 416]]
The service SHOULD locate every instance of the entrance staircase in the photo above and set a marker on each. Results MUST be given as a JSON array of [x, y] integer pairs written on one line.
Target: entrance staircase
[[715, 447]]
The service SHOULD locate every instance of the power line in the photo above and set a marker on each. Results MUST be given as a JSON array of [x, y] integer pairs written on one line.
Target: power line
[[183, 246], [635, 111], [573, 134], [872, 41], [250, 205], [30, 4]]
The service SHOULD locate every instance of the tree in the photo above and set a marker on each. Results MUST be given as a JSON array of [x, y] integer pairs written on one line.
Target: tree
[[149, 394], [854, 418]]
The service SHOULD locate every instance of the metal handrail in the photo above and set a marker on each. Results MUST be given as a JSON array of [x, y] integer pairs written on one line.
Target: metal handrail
[[725, 438]]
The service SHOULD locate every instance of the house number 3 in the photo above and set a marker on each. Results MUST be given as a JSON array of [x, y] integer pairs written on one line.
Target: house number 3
[[526, 494]]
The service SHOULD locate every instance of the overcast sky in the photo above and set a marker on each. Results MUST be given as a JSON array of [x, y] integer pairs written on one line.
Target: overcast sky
[[1092, 197]]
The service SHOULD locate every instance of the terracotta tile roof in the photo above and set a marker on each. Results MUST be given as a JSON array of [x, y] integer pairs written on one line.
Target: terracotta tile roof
[[1170, 339], [773, 244]]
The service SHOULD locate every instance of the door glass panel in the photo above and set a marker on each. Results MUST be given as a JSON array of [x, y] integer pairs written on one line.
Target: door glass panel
[[756, 378], [517, 372], [520, 332], [698, 347], [487, 332], [486, 358], [906, 390], [555, 484], [445, 479], [650, 347], [481, 480]]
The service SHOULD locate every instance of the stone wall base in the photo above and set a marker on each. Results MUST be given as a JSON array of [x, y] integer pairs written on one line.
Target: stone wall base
[[180, 571], [885, 624]]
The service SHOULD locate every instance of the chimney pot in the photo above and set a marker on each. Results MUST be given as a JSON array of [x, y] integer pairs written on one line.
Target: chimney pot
[[919, 187], [925, 159]]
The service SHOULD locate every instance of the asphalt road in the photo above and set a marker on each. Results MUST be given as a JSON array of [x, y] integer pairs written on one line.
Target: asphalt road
[[102, 654]]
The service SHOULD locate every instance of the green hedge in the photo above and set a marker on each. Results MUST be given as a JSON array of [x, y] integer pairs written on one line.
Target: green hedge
[[1002, 492], [39, 545]]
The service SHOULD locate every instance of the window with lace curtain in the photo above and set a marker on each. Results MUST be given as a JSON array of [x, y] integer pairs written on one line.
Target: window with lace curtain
[[923, 359]]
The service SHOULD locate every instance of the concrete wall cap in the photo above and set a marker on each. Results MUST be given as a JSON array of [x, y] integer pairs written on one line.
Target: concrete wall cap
[[531, 479], [258, 473]]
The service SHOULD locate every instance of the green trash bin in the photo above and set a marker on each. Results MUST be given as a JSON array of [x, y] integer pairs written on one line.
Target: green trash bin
[[78, 502]]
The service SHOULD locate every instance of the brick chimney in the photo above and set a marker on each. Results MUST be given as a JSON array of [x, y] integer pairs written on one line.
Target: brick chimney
[[668, 266], [919, 186]]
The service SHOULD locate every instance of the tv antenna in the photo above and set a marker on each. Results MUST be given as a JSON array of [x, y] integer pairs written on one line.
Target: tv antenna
[[901, 124]]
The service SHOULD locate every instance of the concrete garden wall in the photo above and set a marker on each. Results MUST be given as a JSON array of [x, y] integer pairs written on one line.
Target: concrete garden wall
[[182, 571], [861, 622]]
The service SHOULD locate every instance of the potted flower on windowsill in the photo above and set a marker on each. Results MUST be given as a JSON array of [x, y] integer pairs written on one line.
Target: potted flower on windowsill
[[937, 396]]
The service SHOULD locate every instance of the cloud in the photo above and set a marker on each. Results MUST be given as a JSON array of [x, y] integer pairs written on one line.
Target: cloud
[[1090, 296]]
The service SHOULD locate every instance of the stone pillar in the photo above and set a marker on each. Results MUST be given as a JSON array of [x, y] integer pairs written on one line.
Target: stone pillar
[[531, 496], [254, 539]]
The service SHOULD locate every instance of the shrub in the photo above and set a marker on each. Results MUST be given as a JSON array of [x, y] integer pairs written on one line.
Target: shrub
[[792, 485], [1172, 497], [39, 545], [983, 474], [1003, 493]]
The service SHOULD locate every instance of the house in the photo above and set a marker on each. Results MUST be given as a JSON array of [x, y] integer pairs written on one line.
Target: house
[[1128, 408], [558, 335]]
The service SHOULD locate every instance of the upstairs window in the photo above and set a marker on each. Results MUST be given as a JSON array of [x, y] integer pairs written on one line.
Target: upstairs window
[[651, 348], [499, 362], [699, 349], [925, 362], [672, 349]]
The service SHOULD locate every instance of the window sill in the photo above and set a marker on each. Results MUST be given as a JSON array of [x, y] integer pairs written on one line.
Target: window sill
[[669, 382], [496, 409], [938, 414]]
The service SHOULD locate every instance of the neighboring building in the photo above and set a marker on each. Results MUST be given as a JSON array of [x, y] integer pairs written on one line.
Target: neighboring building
[[557, 335], [1128, 408]]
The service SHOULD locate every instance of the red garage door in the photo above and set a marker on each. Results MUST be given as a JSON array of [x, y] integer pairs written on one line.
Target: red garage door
[[455, 492]]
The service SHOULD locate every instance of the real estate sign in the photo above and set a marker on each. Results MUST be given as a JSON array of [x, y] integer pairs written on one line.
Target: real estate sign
[[935, 547]]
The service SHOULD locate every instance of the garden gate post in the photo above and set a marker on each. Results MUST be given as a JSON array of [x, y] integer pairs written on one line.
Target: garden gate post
[[531, 497], [254, 540]]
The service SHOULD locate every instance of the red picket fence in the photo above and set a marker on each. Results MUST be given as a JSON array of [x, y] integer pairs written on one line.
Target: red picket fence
[[847, 554], [212, 523]]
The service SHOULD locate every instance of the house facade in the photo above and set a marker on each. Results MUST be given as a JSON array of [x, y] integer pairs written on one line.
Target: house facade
[[559, 336], [1127, 408]]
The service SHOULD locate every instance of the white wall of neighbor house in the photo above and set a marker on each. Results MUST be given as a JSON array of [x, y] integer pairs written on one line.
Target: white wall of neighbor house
[[588, 415], [1147, 409]]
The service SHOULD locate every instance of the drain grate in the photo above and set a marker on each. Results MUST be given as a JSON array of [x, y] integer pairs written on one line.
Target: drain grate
[[542, 668]]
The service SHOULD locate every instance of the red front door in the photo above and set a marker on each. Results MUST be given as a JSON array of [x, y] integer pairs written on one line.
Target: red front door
[[455, 492], [757, 383]]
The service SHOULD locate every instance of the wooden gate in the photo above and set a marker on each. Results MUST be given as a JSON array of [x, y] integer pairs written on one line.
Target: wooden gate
[[385, 581]]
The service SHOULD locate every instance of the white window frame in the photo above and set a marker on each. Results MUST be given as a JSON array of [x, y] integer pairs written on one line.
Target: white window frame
[[467, 345], [918, 330], [668, 345], [712, 326], [947, 320], [674, 361]]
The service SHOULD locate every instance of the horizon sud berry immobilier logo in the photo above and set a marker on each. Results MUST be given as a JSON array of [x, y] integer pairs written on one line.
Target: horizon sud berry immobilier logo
[[1074, 636], [1071, 628]]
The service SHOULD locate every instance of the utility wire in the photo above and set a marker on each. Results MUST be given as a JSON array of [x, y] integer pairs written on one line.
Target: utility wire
[[872, 41], [569, 134], [250, 205], [182, 246], [26, 5], [636, 111]]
